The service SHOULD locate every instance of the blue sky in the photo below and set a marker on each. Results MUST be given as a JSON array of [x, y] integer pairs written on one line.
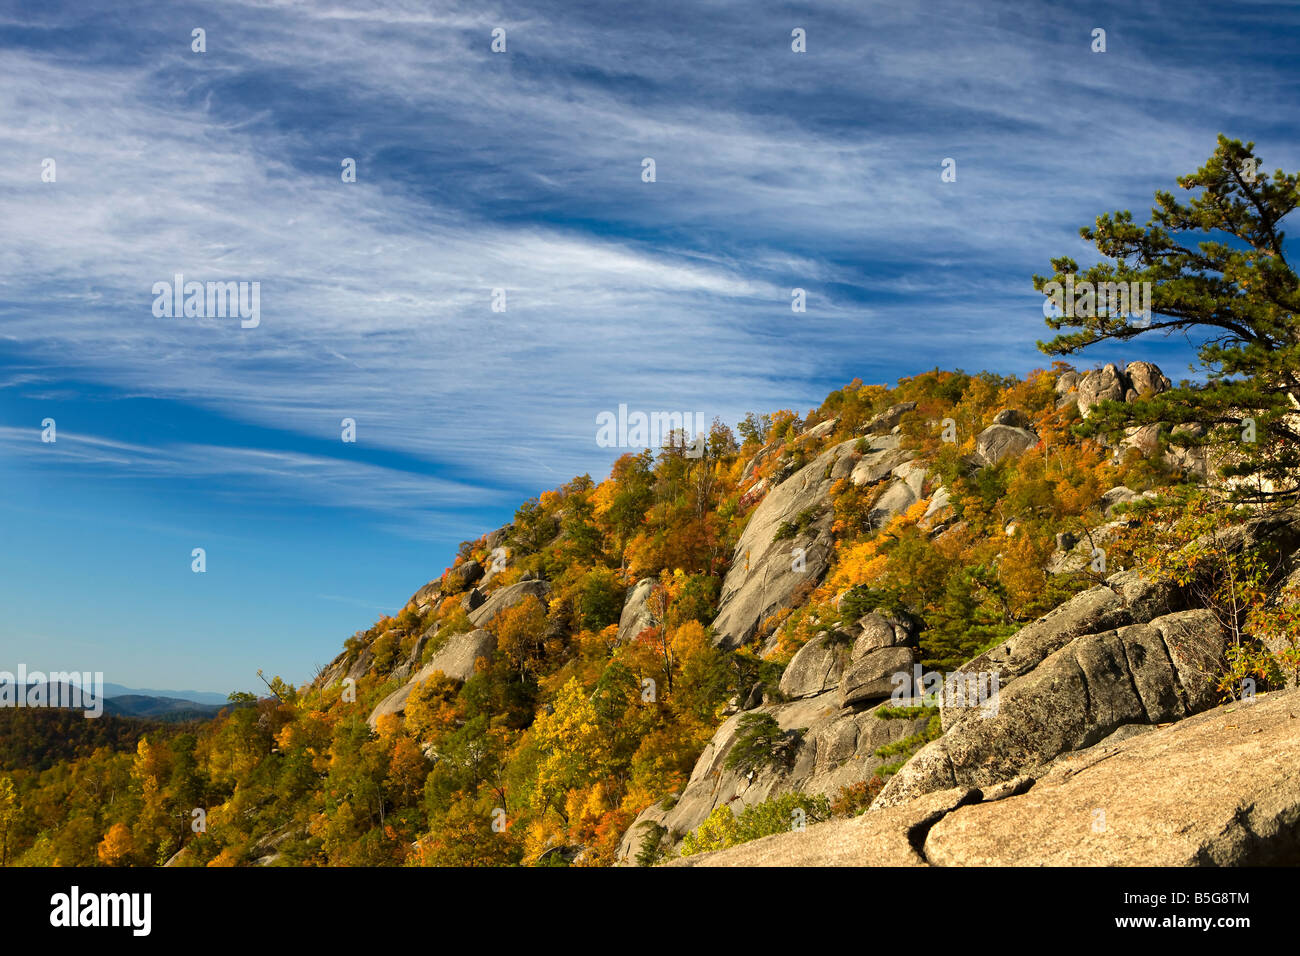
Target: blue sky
[[522, 171]]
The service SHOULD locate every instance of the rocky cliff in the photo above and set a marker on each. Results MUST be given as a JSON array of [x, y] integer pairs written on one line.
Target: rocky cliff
[[1075, 739], [1221, 788]]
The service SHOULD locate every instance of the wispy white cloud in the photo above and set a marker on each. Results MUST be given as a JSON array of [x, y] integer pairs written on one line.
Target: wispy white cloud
[[524, 172], [256, 473]]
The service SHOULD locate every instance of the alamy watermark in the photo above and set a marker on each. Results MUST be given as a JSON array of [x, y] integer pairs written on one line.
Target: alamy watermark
[[654, 430], [75, 690], [958, 689], [129, 910], [212, 300], [1089, 300]]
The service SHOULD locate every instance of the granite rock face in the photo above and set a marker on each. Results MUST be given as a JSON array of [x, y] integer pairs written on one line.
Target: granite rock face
[[636, 616], [1221, 788], [767, 568], [456, 660], [507, 597], [1140, 674], [882, 838], [835, 748], [833, 744]]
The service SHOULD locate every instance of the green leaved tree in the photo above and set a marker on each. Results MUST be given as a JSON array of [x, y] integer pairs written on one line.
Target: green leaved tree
[[1217, 270]]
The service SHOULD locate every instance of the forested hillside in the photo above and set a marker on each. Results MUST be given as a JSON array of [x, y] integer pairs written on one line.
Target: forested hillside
[[550, 743]]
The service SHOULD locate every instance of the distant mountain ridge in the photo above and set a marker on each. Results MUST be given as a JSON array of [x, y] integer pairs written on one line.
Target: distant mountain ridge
[[161, 708], [157, 705], [194, 696]]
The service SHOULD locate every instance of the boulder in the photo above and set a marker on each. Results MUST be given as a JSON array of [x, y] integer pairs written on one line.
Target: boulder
[[1013, 417], [878, 461], [940, 503], [872, 676], [822, 430], [897, 497], [457, 657], [1138, 674], [636, 616], [816, 667], [1146, 439], [877, 631], [887, 420], [417, 650], [427, 596], [508, 597], [1119, 495], [1144, 379], [472, 600], [1109, 383], [999, 441], [1097, 385], [843, 467], [912, 475], [464, 574]]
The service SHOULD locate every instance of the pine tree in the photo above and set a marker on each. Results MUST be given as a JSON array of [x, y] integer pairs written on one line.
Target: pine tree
[[1217, 268]]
